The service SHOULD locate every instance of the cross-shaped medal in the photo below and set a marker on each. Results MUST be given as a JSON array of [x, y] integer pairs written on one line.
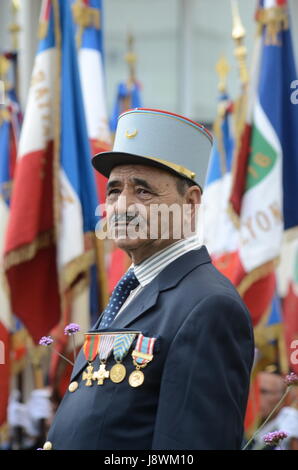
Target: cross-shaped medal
[[101, 374], [88, 376]]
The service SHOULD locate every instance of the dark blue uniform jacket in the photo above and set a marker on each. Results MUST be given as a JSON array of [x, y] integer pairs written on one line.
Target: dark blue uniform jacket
[[195, 390]]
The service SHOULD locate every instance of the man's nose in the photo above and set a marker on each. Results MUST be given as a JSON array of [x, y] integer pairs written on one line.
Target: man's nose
[[125, 203]]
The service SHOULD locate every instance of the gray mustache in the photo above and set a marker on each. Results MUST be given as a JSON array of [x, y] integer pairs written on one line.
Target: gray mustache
[[125, 218]]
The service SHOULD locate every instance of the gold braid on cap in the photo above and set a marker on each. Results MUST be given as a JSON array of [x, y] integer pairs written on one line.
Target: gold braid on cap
[[179, 168]]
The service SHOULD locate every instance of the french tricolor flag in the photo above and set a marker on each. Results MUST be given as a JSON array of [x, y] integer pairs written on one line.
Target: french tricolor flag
[[91, 66], [49, 245], [264, 181]]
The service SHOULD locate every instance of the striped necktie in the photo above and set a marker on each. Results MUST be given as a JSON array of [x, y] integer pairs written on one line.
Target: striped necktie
[[122, 290]]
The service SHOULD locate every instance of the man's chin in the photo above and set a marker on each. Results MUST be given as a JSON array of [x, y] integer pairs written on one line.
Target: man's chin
[[128, 244]]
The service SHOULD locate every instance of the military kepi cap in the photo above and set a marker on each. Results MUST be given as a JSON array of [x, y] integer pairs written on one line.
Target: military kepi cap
[[160, 139]]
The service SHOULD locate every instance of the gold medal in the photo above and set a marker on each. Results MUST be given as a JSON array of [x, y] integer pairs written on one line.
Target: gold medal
[[136, 378], [88, 376], [117, 373], [90, 348], [101, 374], [142, 355]]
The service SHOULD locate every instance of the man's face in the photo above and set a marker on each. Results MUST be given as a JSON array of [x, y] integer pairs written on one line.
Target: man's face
[[134, 192], [271, 389]]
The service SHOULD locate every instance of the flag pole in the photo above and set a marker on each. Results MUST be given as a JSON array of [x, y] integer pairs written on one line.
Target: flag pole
[[238, 34], [240, 53], [131, 60], [222, 69], [57, 125], [240, 110], [185, 62]]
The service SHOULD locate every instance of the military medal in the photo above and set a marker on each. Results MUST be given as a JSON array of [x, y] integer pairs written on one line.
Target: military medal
[[121, 347], [142, 355], [104, 350], [136, 378], [90, 349]]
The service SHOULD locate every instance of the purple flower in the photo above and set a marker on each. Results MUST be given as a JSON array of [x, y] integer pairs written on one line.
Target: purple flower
[[71, 329], [273, 438], [291, 379], [46, 341]]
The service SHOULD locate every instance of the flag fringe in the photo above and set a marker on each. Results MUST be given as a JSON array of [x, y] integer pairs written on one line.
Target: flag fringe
[[233, 216], [4, 433], [27, 252], [256, 274], [84, 16], [5, 115], [275, 19], [75, 268], [264, 335], [42, 29]]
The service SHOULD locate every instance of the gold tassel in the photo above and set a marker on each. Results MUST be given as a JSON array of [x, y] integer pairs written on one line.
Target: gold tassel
[[275, 19]]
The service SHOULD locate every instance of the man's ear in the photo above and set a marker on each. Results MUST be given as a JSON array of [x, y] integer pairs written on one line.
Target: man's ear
[[193, 195], [192, 201]]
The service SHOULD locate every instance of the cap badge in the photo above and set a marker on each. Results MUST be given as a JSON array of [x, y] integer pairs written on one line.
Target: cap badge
[[131, 134]]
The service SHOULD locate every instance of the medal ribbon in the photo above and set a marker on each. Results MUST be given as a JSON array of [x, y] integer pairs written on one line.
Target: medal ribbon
[[105, 347], [121, 345], [144, 346], [90, 347]]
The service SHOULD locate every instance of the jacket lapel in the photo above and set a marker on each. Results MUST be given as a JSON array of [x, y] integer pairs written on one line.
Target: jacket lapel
[[147, 298], [138, 306]]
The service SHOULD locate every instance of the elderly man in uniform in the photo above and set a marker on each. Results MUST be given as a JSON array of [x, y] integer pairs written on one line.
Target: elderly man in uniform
[[167, 365]]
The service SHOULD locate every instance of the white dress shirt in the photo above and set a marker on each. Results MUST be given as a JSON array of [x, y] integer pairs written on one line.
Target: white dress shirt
[[152, 266]]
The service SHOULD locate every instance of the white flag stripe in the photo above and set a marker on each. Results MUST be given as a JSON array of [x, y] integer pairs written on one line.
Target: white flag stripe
[[93, 89], [71, 235], [261, 227], [39, 107]]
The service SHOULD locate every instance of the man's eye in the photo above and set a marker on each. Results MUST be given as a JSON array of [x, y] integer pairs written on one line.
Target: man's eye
[[113, 191], [143, 191]]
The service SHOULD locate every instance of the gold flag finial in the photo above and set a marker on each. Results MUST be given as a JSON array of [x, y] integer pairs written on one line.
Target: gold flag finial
[[222, 68], [15, 28], [238, 34], [238, 31], [84, 16], [131, 59]]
